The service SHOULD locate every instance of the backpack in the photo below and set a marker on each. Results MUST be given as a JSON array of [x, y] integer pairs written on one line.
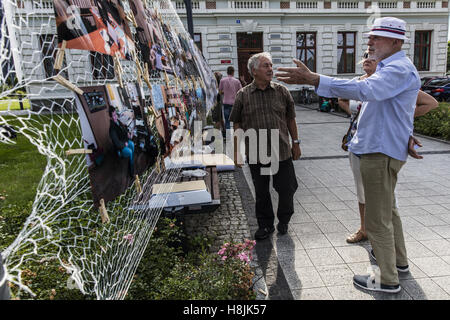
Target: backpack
[[325, 107]]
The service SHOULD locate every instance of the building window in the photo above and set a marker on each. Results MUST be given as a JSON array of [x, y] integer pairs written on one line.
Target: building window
[[422, 50], [49, 44], [210, 4], [306, 49], [198, 41], [102, 66], [346, 52]]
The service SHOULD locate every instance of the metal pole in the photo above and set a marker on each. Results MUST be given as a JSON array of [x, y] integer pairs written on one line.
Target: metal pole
[[188, 5], [10, 14]]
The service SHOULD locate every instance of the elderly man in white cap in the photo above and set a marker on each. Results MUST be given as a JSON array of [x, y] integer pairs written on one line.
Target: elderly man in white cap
[[383, 140]]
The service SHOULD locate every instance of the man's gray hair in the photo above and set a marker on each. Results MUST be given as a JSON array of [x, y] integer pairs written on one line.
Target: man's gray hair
[[253, 62]]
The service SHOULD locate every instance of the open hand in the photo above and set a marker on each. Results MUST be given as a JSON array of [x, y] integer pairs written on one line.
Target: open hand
[[299, 75]]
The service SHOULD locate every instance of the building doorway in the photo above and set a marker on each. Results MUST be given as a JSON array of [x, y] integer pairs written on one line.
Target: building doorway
[[247, 45]]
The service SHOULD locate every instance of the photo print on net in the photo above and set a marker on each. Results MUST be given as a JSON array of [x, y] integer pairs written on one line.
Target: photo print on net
[[101, 27], [150, 38], [114, 126]]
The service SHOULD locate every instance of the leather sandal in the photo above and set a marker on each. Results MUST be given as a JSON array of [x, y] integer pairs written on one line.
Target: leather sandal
[[357, 237]]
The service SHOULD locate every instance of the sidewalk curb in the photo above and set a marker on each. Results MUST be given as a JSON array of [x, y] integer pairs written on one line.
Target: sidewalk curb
[[258, 280]]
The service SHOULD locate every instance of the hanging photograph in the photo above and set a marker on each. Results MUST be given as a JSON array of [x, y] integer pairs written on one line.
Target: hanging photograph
[[150, 37], [97, 25], [115, 130]]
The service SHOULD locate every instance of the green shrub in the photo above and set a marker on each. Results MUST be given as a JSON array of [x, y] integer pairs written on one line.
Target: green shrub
[[165, 272], [435, 123]]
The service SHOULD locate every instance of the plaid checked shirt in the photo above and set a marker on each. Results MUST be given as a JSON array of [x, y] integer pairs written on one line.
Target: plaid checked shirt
[[265, 109]]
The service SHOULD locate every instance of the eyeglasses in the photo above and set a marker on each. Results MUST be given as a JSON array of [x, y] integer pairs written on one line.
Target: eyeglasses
[[365, 55]]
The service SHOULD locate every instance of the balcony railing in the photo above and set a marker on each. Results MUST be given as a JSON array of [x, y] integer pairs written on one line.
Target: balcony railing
[[179, 5], [306, 5], [348, 5], [248, 4], [426, 5], [387, 4]]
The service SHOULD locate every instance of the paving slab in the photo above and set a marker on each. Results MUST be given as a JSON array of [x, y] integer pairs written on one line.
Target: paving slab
[[313, 261]]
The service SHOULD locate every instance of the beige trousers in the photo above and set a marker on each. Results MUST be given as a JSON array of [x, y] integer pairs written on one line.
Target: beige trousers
[[382, 221]]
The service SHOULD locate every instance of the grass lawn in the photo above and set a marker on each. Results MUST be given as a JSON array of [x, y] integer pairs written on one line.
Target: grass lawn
[[13, 104], [22, 166]]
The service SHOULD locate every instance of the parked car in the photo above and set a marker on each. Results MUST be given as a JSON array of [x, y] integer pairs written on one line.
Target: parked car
[[439, 89], [426, 80]]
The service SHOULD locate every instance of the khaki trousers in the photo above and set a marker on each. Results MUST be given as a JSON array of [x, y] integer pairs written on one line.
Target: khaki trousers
[[382, 221]]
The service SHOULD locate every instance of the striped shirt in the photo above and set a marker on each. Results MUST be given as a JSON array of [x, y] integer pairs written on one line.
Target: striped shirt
[[270, 108]]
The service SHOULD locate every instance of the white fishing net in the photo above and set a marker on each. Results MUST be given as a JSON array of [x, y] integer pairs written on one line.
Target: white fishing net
[[99, 249]]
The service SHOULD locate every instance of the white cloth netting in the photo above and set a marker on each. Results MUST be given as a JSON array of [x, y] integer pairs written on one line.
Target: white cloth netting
[[64, 223]]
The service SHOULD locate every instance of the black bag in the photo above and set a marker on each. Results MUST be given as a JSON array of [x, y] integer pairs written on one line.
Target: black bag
[[346, 136]]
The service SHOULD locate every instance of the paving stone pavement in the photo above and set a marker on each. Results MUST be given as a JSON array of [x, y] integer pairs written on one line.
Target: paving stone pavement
[[313, 261]]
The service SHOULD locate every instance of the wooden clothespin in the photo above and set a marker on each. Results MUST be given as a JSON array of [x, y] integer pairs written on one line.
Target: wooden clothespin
[[139, 77], [180, 83], [103, 212], [201, 82], [150, 119], [163, 165], [60, 56], [166, 78], [130, 17], [137, 182], [189, 84], [194, 82], [136, 60], [66, 83], [147, 81], [78, 151], [168, 47], [118, 68], [146, 76], [138, 67], [158, 166]]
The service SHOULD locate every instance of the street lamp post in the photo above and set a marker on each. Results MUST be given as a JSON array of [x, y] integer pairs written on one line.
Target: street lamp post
[[188, 5]]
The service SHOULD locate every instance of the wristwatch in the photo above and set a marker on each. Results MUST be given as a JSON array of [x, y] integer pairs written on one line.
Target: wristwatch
[[297, 141]]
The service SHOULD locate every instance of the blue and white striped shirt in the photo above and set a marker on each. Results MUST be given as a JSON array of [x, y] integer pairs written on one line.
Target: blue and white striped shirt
[[389, 99]]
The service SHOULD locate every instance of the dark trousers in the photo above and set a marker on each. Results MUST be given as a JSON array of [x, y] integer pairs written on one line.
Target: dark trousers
[[226, 114], [284, 183]]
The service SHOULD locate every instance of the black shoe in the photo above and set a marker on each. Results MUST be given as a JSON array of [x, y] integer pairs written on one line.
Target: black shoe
[[403, 269], [367, 282], [282, 228], [263, 233]]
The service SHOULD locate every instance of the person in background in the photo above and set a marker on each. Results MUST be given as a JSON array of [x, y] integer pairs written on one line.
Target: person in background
[[229, 86], [242, 80], [121, 140], [424, 104]]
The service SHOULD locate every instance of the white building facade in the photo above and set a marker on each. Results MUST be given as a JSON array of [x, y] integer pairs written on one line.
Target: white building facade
[[327, 35]]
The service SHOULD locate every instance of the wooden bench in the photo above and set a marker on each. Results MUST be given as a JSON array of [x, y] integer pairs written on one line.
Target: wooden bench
[[212, 185]]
